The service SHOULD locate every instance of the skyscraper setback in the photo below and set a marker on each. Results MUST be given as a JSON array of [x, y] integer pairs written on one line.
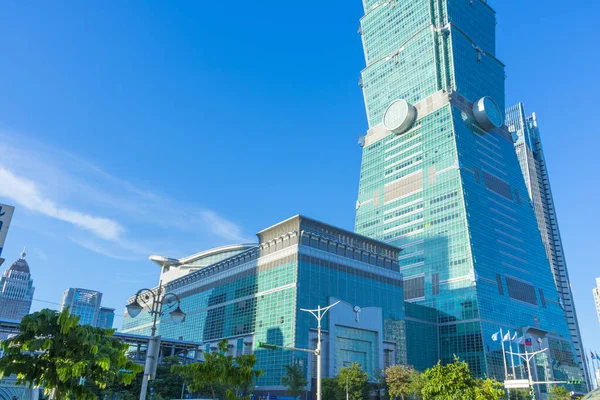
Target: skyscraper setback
[[440, 179], [528, 145]]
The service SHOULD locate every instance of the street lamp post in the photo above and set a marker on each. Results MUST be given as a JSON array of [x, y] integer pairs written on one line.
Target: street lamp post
[[319, 313], [159, 304]]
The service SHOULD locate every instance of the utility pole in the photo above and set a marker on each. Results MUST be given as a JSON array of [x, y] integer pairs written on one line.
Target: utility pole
[[528, 357], [347, 394], [319, 313]]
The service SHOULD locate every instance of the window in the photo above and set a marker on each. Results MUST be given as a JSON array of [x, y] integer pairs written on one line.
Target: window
[[497, 185], [542, 298], [414, 288], [435, 284], [500, 288], [522, 291]]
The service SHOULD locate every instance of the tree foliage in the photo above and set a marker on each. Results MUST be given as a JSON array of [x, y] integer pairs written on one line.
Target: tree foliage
[[489, 389], [294, 380], [402, 381], [559, 393], [519, 394], [355, 380], [221, 373], [167, 384], [456, 382], [69, 360], [329, 388]]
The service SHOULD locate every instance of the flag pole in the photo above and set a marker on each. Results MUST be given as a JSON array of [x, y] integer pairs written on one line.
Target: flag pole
[[503, 354], [512, 356], [591, 367], [595, 367]]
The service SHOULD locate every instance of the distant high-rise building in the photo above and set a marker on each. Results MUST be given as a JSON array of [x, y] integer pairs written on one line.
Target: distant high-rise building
[[6, 213], [16, 295], [84, 303], [528, 145], [440, 179], [106, 317], [16, 290], [597, 297]]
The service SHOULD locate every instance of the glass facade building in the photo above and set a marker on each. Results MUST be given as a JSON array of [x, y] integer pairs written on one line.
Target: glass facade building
[[596, 292], [257, 296], [440, 179], [84, 303], [16, 291], [174, 268], [106, 318], [528, 145]]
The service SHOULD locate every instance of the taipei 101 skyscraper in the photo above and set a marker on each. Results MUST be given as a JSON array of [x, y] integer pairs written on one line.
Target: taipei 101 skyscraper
[[441, 180]]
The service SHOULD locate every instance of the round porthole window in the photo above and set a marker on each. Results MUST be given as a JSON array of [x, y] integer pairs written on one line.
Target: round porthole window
[[399, 116], [487, 114]]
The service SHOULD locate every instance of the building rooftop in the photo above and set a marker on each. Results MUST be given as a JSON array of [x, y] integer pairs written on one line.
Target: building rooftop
[[20, 265], [297, 226]]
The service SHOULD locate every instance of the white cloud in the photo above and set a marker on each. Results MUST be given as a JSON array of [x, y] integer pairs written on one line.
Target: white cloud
[[99, 249], [66, 187], [27, 194], [223, 228]]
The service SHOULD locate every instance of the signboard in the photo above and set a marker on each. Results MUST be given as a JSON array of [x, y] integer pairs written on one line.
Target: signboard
[[517, 384], [6, 213]]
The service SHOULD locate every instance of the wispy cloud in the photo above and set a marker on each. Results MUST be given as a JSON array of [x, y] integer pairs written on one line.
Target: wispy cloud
[[114, 217], [99, 249], [222, 227], [26, 193]]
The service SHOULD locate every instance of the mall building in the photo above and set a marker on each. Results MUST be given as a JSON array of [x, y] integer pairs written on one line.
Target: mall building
[[254, 293]]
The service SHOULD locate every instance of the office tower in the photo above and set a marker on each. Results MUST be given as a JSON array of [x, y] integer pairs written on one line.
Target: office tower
[[6, 213], [84, 303], [257, 296], [16, 296], [106, 317], [441, 180], [597, 297], [16, 290], [528, 145]]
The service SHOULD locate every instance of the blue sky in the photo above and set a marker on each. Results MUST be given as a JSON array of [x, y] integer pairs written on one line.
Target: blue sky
[[130, 129]]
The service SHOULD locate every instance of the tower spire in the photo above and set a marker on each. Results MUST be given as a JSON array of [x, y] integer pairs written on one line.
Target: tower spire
[[23, 254]]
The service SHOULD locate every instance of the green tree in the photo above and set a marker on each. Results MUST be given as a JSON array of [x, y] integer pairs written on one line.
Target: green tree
[[519, 394], [294, 380], [400, 381], [456, 382], [559, 393], [68, 359], [167, 384], [355, 380], [329, 388], [489, 389], [416, 386], [221, 373], [449, 382]]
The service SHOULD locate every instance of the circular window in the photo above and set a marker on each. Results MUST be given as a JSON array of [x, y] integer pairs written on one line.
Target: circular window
[[488, 114], [399, 116]]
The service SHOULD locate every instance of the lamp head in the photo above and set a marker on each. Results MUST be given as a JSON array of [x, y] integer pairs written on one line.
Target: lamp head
[[134, 309], [177, 316]]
